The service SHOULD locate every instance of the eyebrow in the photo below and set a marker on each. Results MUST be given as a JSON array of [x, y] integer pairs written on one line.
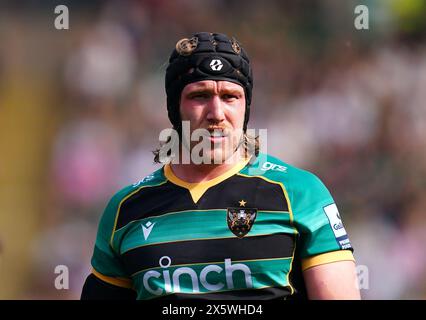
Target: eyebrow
[[204, 89]]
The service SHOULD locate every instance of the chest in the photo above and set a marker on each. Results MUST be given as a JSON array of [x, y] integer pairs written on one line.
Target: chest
[[236, 236]]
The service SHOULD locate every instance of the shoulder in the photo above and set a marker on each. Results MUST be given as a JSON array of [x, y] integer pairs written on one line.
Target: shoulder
[[304, 189], [276, 170], [110, 217], [153, 179]]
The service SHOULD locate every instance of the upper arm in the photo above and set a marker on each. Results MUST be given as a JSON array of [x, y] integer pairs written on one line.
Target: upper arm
[[316, 217], [335, 280], [106, 261], [324, 248]]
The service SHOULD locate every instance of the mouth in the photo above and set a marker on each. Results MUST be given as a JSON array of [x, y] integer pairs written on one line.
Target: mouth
[[217, 134]]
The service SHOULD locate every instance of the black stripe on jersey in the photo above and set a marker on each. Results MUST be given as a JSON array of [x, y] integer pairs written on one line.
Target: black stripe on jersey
[[168, 197], [244, 294], [257, 192], [271, 246], [154, 201]]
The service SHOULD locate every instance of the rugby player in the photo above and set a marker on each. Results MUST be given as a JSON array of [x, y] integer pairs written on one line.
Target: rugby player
[[244, 226]]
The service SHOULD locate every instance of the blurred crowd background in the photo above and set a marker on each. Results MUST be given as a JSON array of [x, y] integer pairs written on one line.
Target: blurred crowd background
[[81, 111]]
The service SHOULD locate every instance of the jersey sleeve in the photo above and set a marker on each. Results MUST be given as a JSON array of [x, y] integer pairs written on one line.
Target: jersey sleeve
[[322, 236], [106, 261]]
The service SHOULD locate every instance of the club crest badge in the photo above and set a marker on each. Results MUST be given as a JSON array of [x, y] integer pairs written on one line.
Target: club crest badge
[[240, 220]]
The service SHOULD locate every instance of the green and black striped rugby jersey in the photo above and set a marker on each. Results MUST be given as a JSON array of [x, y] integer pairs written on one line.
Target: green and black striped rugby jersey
[[247, 234]]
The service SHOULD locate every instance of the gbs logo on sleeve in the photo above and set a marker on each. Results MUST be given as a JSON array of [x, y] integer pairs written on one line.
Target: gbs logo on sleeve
[[272, 166], [337, 226]]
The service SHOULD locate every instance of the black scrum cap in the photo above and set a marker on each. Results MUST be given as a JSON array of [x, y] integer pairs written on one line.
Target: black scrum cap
[[206, 56]]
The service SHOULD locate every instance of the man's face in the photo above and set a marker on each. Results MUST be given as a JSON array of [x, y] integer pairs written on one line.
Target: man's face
[[219, 108]]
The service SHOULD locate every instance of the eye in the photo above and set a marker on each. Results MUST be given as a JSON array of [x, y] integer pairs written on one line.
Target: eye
[[199, 96], [230, 97]]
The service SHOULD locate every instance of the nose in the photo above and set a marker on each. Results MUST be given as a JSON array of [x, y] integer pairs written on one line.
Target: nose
[[215, 112]]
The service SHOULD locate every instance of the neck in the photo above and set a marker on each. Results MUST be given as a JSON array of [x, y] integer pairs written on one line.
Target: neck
[[194, 173]]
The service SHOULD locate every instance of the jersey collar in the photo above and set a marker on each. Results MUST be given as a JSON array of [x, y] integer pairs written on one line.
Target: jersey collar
[[197, 189]]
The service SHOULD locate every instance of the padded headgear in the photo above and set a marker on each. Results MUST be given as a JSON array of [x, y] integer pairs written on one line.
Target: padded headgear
[[206, 56]]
